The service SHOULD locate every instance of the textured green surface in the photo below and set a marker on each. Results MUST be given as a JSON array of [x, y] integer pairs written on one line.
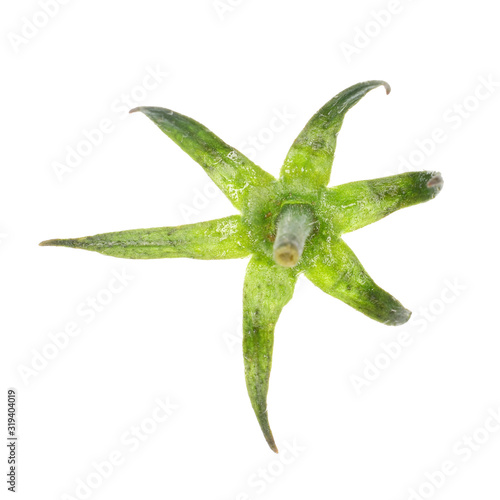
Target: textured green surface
[[310, 158], [231, 171], [338, 272], [354, 205], [327, 261], [266, 291], [216, 239]]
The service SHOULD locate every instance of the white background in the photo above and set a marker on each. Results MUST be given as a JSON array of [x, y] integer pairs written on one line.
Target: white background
[[173, 332]]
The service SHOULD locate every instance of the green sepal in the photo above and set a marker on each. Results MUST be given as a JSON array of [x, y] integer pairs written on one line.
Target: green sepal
[[338, 272], [267, 289], [222, 238], [232, 172], [356, 204], [309, 160]]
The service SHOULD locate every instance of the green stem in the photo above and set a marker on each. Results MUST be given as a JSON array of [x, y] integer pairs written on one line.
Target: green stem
[[295, 224]]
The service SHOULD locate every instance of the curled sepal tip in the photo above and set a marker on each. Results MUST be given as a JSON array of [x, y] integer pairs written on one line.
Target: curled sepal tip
[[309, 160]]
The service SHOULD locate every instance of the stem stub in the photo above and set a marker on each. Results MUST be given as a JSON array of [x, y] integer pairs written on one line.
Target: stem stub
[[295, 224]]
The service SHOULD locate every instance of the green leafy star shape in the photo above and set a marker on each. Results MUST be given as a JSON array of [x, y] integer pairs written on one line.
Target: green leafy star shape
[[289, 226]]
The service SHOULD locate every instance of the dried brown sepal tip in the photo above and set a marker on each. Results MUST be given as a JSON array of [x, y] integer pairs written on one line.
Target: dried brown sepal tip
[[436, 181]]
